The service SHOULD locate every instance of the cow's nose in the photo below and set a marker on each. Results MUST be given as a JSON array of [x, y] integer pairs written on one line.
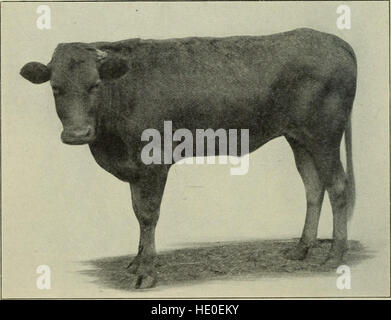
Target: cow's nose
[[78, 135]]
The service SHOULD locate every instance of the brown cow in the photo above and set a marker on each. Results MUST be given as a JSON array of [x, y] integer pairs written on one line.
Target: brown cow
[[298, 84]]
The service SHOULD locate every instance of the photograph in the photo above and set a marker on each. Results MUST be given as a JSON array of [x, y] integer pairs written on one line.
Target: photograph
[[195, 150]]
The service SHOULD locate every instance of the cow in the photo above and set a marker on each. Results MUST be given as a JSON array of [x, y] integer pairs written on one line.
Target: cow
[[298, 84]]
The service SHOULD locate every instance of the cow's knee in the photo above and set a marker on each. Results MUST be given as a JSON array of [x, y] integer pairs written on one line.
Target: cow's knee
[[147, 218], [146, 209]]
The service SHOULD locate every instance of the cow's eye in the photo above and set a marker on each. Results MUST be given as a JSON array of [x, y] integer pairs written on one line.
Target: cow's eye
[[93, 87], [56, 90]]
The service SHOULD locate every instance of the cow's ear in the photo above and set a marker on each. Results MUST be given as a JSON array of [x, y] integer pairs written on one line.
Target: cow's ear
[[35, 72], [112, 68]]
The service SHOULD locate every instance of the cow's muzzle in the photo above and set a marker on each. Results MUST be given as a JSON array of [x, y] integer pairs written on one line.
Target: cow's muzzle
[[78, 136]]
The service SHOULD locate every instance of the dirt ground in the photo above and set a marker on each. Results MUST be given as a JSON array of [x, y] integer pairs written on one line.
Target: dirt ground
[[223, 260]]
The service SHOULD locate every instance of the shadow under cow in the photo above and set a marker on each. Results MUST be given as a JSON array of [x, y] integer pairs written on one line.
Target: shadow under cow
[[223, 260]]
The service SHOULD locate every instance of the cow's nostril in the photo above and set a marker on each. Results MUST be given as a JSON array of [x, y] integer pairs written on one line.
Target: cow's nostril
[[77, 136], [82, 133]]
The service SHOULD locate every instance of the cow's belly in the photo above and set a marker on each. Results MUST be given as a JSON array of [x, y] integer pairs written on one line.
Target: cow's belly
[[253, 112]]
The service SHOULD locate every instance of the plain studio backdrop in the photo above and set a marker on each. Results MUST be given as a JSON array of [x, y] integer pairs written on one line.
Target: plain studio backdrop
[[60, 208]]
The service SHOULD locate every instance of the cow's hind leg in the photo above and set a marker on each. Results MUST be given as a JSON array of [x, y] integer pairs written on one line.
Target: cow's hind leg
[[335, 180], [314, 194], [325, 140], [147, 194]]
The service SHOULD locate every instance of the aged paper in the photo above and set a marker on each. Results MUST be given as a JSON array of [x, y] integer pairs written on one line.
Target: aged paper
[[68, 226]]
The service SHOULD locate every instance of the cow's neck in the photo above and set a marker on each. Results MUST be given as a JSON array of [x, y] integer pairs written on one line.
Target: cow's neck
[[109, 149]]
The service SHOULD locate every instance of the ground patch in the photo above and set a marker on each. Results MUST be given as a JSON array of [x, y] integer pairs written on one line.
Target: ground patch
[[223, 260]]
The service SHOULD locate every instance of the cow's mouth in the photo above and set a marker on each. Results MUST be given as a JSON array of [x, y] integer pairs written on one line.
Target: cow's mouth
[[79, 136]]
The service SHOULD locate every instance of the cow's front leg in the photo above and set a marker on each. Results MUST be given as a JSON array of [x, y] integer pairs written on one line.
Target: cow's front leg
[[147, 194]]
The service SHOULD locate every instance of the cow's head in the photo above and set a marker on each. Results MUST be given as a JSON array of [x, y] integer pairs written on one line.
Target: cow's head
[[76, 73]]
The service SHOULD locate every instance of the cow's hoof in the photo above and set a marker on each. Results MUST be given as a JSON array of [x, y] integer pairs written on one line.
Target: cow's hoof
[[145, 281], [334, 259], [299, 252], [336, 254]]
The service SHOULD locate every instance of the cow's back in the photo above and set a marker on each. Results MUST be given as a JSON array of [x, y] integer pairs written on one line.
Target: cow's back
[[232, 82]]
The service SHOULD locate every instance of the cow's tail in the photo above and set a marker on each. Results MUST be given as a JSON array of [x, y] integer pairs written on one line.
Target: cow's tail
[[351, 188]]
